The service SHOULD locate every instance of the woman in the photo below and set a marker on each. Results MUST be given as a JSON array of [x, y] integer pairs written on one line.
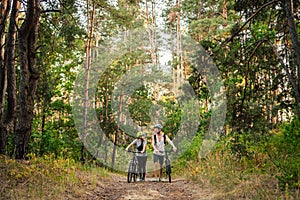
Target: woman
[[140, 145], [159, 140]]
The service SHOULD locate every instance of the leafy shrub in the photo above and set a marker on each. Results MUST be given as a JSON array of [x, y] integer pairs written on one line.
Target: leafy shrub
[[285, 154]]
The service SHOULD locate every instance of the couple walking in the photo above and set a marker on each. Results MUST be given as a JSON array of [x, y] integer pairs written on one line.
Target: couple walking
[[158, 142]]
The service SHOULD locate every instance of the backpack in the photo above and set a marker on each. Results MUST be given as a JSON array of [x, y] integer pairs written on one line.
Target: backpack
[[164, 135], [140, 148]]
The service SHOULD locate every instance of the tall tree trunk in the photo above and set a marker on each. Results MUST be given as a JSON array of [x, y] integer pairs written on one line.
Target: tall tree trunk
[[116, 140], [106, 118], [8, 125], [296, 45], [224, 13], [199, 15], [179, 47], [4, 11], [149, 32], [90, 29], [153, 34], [29, 76]]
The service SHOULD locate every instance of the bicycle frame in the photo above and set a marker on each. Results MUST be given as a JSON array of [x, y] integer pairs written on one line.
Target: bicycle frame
[[168, 165], [132, 168]]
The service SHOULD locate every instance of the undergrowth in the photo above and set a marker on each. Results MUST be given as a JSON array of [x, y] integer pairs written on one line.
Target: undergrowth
[[45, 178], [267, 167]]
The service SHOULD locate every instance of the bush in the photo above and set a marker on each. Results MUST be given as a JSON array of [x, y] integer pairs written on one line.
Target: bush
[[285, 154]]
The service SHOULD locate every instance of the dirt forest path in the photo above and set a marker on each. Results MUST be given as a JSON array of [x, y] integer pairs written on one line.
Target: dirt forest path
[[117, 188]]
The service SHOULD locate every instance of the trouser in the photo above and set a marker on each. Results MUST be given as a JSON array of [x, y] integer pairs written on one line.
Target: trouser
[[142, 166]]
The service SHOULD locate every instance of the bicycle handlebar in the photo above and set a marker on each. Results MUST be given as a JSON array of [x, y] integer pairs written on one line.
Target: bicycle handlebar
[[168, 151], [134, 151]]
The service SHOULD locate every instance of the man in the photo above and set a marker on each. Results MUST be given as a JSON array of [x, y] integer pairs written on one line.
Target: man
[[159, 140]]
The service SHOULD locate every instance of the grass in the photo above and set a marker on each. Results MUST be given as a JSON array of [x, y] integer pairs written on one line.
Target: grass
[[46, 178], [221, 173], [246, 178]]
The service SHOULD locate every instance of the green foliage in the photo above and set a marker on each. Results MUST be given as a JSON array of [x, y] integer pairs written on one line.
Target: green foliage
[[61, 51], [285, 154], [173, 117], [194, 147], [46, 176], [140, 106], [58, 135], [255, 86], [246, 144], [206, 22], [247, 163]]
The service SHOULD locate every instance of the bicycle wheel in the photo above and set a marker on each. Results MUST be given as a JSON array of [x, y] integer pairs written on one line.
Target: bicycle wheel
[[168, 169], [168, 172], [130, 173], [134, 174]]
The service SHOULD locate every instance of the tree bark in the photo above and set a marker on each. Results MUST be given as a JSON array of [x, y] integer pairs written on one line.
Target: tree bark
[[116, 139], [224, 13], [4, 11], [179, 55], [153, 35], [29, 76], [90, 30], [296, 45], [8, 125]]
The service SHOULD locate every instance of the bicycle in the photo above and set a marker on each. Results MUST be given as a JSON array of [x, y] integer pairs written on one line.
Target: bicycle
[[133, 167], [168, 165]]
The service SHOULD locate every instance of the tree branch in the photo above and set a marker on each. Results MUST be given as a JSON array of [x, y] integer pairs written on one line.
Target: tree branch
[[248, 68], [249, 19], [292, 81], [50, 11]]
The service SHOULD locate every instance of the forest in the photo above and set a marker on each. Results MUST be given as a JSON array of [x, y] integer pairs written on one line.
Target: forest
[[80, 78]]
